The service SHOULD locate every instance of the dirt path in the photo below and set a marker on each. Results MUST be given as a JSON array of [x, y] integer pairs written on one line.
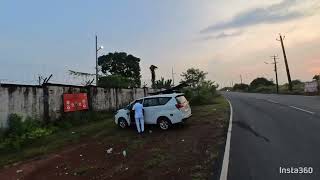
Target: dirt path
[[183, 152]]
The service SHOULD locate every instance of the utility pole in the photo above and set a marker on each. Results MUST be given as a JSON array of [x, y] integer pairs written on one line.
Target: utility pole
[[241, 78], [275, 57], [286, 61]]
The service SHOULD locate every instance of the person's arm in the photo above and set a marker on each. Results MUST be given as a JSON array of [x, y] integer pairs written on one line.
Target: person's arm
[[142, 110]]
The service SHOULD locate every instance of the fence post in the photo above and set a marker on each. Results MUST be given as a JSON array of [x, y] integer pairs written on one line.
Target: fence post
[[46, 116]]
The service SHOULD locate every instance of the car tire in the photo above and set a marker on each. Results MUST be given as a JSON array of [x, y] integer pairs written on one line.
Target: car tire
[[164, 123], [122, 123]]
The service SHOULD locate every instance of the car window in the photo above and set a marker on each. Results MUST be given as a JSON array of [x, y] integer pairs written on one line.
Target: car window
[[151, 102], [139, 100], [181, 99], [164, 100]]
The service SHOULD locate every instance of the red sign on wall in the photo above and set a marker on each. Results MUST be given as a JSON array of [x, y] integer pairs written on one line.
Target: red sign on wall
[[75, 102]]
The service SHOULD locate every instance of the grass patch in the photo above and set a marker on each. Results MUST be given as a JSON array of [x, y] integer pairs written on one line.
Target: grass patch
[[219, 109], [61, 137]]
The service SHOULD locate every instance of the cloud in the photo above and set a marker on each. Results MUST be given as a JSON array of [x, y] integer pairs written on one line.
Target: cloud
[[226, 35], [281, 12], [222, 35]]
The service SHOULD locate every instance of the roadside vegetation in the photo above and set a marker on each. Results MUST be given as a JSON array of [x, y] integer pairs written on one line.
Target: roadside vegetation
[[199, 90], [263, 85], [31, 137]]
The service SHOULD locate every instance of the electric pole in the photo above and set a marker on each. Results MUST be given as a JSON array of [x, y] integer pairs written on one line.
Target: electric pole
[[286, 61], [276, 70], [241, 78]]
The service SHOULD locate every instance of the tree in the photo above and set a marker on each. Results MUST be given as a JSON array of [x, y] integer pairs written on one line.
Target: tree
[[316, 77], [296, 82], [121, 64], [193, 77], [115, 81], [166, 84], [260, 81], [241, 87], [153, 74]]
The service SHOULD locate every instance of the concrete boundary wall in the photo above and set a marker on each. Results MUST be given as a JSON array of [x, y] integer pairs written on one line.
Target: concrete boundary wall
[[46, 102]]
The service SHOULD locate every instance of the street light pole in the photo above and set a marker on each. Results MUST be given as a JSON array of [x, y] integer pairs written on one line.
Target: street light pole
[[97, 49], [96, 60]]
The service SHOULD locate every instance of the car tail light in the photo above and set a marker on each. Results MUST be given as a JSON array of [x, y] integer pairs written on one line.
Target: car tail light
[[179, 106]]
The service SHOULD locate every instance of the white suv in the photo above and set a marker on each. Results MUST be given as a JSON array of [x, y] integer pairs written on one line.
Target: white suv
[[164, 110]]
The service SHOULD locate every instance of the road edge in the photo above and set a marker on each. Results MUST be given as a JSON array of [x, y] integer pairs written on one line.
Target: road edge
[[225, 163]]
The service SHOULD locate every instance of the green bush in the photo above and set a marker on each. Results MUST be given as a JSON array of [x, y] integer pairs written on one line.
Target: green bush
[[203, 94], [264, 89], [20, 133], [15, 125]]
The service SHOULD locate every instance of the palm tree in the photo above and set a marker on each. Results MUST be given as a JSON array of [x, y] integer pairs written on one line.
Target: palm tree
[[153, 74]]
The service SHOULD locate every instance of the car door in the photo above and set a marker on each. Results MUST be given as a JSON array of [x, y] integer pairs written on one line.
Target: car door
[[151, 110]]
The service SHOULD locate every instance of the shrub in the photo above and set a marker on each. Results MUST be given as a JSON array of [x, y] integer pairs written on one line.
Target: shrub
[[203, 94], [264, 89], [20, 133], [15, 126], [241, 87]]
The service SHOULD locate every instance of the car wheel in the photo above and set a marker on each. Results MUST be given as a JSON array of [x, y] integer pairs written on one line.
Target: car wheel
[[122, 123], [164, 124]]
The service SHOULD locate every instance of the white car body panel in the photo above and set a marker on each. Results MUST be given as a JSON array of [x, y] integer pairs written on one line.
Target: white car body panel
[[152, 113]]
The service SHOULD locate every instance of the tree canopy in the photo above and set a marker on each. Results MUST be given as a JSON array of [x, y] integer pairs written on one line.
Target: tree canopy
[[193, 77], [260, 81], [316, 77], [115, 81], [241, 87], [121, 64], [162, 83]]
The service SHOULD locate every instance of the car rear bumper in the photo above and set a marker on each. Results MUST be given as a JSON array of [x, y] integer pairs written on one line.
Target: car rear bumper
[[186, 118]]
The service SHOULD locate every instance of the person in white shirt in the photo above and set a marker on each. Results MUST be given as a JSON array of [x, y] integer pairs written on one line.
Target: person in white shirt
[[138, 115]]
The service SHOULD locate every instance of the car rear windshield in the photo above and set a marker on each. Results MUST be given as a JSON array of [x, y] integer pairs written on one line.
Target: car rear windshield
[[181, 99]]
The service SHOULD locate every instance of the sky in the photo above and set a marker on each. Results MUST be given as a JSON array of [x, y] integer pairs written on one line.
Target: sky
[[224, 38]]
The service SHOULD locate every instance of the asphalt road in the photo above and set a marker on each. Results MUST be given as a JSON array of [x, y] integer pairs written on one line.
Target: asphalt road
[[270, 132]]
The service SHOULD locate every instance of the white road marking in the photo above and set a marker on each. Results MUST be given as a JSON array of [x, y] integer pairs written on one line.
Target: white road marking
[[272, 101], [225, 163], [302, 110]]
